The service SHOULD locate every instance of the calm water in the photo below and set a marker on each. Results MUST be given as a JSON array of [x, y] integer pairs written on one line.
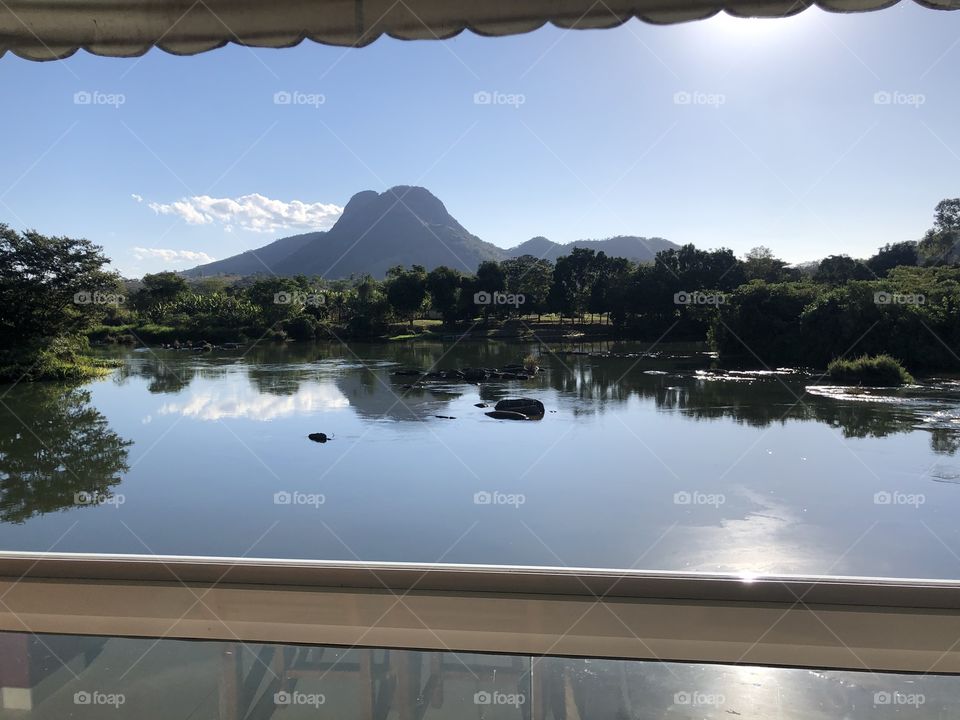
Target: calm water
[[639, 462]]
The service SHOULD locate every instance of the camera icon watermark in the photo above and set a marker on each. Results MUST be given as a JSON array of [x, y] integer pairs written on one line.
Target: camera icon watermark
[[885, 697], [495, 697], [296, 97], [85, 297], [888, 298], [94, 497], [297, 297], [694, 698], [295, 497], [495, 97], [499, 298], [96, 697], [286, 699], [697, 97], [698, 298], [895, 497], [896, 97], [96, 97], [495, 497], [695, 497]]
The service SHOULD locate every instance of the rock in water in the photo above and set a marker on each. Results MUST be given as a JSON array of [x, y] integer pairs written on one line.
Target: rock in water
[[527, 408], [319, 437], [507, 415]]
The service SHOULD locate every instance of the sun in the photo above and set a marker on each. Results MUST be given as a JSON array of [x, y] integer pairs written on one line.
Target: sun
[[728, 28]]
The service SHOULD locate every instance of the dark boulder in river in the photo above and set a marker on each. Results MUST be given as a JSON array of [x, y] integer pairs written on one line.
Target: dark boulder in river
[[518, 409], [507, 415], [319, 437]]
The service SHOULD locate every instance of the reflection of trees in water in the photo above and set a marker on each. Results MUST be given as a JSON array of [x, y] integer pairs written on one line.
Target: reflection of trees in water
[[274, 381], [168, 371], [943, 441], [757, 403], [69, 448], [163, 376], [362, 372], [375, 395]]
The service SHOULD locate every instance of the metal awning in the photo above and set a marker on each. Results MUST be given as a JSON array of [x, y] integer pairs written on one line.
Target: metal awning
[[53, 29]]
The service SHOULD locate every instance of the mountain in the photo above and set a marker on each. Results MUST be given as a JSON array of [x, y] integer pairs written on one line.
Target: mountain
[[405, 225], [256, 261], [638, 249]]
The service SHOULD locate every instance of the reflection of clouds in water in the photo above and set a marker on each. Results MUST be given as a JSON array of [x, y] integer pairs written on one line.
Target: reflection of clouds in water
[[768, 539], [245, 402]]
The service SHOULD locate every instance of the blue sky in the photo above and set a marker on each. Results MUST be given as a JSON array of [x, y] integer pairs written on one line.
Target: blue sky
[[812, 135]]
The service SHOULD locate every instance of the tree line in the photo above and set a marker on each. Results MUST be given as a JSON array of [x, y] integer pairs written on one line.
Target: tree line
[[903, 300]]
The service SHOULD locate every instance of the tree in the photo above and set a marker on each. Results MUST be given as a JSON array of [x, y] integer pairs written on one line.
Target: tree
[[367, 307], [163, 287], [443, 284], [574, 276], [761, 322], [490, 277], [941, 244], [946, 216], [840, 269], [52, 290], [891, 256], [279, 298], [489, 280], [531, 277], [407, 290], [611, 276], [760, 264]]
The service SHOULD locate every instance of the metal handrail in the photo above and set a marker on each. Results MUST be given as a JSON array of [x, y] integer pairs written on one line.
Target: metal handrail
[[549, 580], [856, 623]]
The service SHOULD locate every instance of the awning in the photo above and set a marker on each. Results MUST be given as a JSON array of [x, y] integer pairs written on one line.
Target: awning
[[52, 29]]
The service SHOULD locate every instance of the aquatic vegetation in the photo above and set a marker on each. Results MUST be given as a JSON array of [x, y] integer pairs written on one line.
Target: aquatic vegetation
[[878, 370]]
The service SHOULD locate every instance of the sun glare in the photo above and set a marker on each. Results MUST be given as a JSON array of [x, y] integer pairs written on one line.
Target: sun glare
[[727, 28]]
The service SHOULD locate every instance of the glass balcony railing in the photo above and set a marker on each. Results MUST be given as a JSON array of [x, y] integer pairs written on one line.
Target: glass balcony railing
[[180, 637], [62, 676]]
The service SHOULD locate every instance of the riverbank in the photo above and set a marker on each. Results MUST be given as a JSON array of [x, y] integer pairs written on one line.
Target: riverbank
[[49, 365], [544, 329]]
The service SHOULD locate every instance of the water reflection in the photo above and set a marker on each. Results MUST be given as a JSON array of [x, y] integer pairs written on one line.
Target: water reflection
[[53, 446], [293, 380], [217, 435], [249, 402], [677, 377]]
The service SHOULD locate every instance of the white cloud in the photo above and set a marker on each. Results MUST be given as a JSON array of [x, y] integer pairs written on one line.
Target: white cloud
[[255, 213], [171, 256], [138, 198]]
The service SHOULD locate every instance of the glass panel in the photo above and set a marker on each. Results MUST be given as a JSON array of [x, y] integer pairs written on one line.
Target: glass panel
[[55, 676]]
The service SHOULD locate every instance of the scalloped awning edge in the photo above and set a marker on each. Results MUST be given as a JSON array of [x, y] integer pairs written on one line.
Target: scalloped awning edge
[[55, 29]]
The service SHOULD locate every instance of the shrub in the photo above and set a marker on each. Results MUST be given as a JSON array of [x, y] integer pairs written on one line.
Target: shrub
[[301, 327], [879, 370]]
